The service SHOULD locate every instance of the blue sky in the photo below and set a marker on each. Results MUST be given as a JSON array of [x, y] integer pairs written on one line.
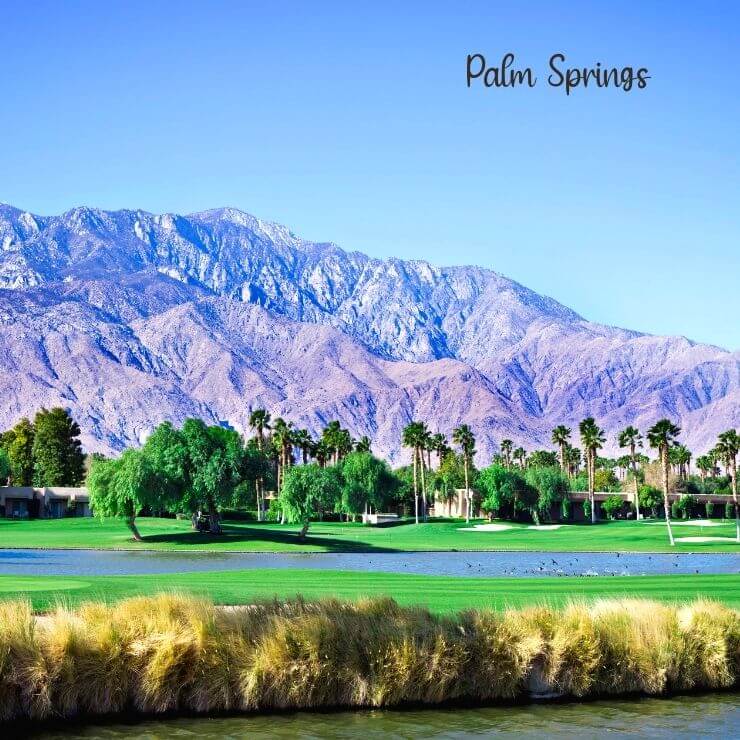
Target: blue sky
[[354, 124]]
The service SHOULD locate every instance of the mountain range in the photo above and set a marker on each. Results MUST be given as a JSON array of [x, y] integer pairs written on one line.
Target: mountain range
[[128, 318]]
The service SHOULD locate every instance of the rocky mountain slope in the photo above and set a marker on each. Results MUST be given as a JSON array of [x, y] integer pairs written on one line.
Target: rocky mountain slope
[[128, 318]]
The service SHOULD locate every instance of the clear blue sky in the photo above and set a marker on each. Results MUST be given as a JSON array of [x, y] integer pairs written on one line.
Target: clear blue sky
[[356, 126]]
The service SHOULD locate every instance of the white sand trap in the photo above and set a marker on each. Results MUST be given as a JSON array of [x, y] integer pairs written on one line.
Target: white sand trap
[[698, 523], [544, 527], [705, 539], [487, 528]]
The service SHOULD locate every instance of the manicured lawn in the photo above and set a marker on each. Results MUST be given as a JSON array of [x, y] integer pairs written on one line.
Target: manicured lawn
[[439, 593], [172, 534]]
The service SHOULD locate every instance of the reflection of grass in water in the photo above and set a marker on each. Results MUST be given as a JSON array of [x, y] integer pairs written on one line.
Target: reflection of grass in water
[[176, 653]]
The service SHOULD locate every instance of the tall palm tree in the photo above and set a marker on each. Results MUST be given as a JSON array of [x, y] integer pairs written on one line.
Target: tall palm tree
[[705, 466], [411, 437], [560, 437], [630, 437], [302, 440], [662, 436], [520, 455], [592, 439], [464, 437], [506, 448], [259, 420], [332, 439], [729, 446], [681, 456], [282, 432], [439, 445], [573, 455]]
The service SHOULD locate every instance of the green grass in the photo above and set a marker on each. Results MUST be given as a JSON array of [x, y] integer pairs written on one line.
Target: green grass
[[443, 594], [172, 534]]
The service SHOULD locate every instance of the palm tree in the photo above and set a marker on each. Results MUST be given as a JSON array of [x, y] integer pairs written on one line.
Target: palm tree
[[411, 437], [729, 446], [681, 456], [662, 436], [439, 445], [631, 437], [464, 437], [573, 455], [282, 432], [592, 439], [331, 437], [302, 440], [363, 444], [259, 420], [506, 447], [560, 437], [705, 465], [520, 455]]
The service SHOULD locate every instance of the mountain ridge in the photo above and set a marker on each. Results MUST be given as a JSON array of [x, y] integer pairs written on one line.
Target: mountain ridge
[[518, 362]]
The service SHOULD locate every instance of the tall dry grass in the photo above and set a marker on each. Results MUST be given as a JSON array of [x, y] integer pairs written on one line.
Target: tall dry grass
[[177, 653]]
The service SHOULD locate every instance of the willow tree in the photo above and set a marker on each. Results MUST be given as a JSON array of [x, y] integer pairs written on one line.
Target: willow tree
[[121, 487], [630, 437], [662, 436]]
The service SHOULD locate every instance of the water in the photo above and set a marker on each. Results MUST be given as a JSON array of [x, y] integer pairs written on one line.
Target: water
[[712, 715], [474, 564]]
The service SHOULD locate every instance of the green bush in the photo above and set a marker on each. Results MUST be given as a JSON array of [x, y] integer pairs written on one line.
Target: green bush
[[729, 510], [565, 509], [675, 510], [686, 505], [587, 509], [612, 505], [709, 508], [650, 499]]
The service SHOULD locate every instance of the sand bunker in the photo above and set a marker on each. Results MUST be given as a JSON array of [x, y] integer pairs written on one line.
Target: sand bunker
[[698, 523], [705, 539], [487, 528], [544, 527]]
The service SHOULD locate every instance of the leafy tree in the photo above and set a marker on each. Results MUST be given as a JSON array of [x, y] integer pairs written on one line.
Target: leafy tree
[[505, 492], [57, 453], [121, 487], [543, 459], [606, 480], [213, 464], [450, 475], [650, 498], [612, 505], [18, 444], [4, 467], [307, 491], [551, 484], [366, 482], [662, 436]]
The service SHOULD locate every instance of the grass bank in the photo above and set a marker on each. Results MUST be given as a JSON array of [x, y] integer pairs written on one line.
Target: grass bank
[[172, 653], [441, 534], [440, 594]]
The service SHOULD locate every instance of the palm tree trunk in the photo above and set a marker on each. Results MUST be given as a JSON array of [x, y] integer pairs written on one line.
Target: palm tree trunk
[[416, 489], [734, 496], [591, 484], [467, 493], [666, 504], [423, 486], [634, 475]]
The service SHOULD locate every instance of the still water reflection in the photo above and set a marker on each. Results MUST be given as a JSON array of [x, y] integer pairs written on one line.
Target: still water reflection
[[712, 715]]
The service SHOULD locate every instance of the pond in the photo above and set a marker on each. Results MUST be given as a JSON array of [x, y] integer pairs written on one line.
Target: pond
[[712, 715], [472, 564]]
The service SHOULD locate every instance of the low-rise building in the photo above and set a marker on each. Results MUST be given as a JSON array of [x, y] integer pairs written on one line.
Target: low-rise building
[[18, 502]]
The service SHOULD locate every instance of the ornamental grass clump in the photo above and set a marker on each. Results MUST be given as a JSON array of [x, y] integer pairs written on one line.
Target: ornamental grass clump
[[173, 653]]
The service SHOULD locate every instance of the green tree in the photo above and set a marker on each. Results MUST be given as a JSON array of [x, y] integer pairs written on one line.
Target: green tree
[[367, 483], [450, 475], [592, 439], [307, 491], [543, 459], [612, 505], [463, 437], [507, 447], [122, 487], [57, 453], [662, 436], [18, 443], [505, 492], [552, 486], [259, 420], [631, 438], [363, 444], [414, 436], [4, 467]]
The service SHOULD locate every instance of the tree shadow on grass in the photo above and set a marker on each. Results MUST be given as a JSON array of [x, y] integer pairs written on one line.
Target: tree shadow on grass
[[256, 534]]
